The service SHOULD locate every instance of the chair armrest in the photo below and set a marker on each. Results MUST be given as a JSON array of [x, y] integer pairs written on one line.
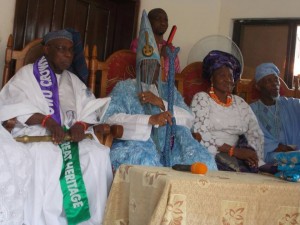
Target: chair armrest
[[106, 133], [102, 129], [117, 131]]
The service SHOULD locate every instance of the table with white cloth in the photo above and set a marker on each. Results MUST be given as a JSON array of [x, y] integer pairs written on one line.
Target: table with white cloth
[[143, 195]]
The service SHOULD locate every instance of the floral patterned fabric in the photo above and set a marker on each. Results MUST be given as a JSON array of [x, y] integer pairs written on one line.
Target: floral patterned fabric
[[162, 196], [288, 165]]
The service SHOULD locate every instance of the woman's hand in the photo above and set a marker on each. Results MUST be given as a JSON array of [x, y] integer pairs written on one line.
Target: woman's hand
[[161, 119], [224, 148], [246, 154], [149, 97]]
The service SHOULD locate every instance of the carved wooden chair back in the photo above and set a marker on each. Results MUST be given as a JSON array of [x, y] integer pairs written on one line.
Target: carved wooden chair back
[[190, 81], [120, 65]]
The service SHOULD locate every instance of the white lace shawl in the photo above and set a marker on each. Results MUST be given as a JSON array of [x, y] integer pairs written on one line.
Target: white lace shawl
[[218, 125]]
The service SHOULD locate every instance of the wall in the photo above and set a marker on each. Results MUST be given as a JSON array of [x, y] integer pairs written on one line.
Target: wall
[[7, 20], [195, 19]]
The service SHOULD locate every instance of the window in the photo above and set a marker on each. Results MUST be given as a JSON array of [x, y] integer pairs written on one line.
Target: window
[[297, 53], [269, 40]]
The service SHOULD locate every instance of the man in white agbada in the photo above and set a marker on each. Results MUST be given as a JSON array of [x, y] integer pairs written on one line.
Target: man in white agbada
[[15, 167], [46, 99]]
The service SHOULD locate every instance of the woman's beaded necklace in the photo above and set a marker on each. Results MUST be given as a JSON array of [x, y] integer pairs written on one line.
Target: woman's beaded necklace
[[217, 100]]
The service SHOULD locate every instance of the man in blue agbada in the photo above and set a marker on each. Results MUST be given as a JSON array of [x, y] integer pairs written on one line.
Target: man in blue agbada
[[278, 116], [140, 105]]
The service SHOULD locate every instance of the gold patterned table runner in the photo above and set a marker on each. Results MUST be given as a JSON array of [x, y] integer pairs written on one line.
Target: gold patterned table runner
[[161, 196]]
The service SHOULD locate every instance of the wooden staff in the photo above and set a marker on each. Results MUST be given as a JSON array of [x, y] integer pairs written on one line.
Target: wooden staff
[[28, 139]]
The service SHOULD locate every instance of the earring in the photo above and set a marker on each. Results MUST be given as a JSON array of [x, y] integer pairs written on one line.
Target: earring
[[211, 89]]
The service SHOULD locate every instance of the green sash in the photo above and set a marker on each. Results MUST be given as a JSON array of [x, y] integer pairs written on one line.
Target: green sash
[[75, 199]]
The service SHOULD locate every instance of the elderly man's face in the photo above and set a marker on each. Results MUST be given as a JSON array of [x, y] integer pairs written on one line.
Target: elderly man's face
[[269, 86], [59, 53]]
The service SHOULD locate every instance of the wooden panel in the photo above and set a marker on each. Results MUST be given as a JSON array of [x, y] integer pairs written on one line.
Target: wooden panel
[[127, 18], [109, 24], [78, 17], [100, 29]]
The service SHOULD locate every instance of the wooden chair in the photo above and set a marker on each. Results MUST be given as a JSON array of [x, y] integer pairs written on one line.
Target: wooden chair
[[190, 81], [15, 59], [246, 89], [297, 86], [119, 66]]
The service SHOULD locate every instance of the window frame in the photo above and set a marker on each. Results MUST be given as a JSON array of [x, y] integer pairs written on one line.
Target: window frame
[[240, 24]]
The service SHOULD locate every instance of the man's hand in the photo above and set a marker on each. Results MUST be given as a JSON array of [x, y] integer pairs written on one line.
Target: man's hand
[[56, 130], [149, 97], [9, 124], [161, 119], [50, 124], [77, 132], [284, 148]]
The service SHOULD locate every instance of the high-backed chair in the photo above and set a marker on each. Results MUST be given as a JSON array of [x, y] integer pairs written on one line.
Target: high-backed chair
[[190, 81], [246, 89], [297, 85], [118, 66], [15, 59]]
